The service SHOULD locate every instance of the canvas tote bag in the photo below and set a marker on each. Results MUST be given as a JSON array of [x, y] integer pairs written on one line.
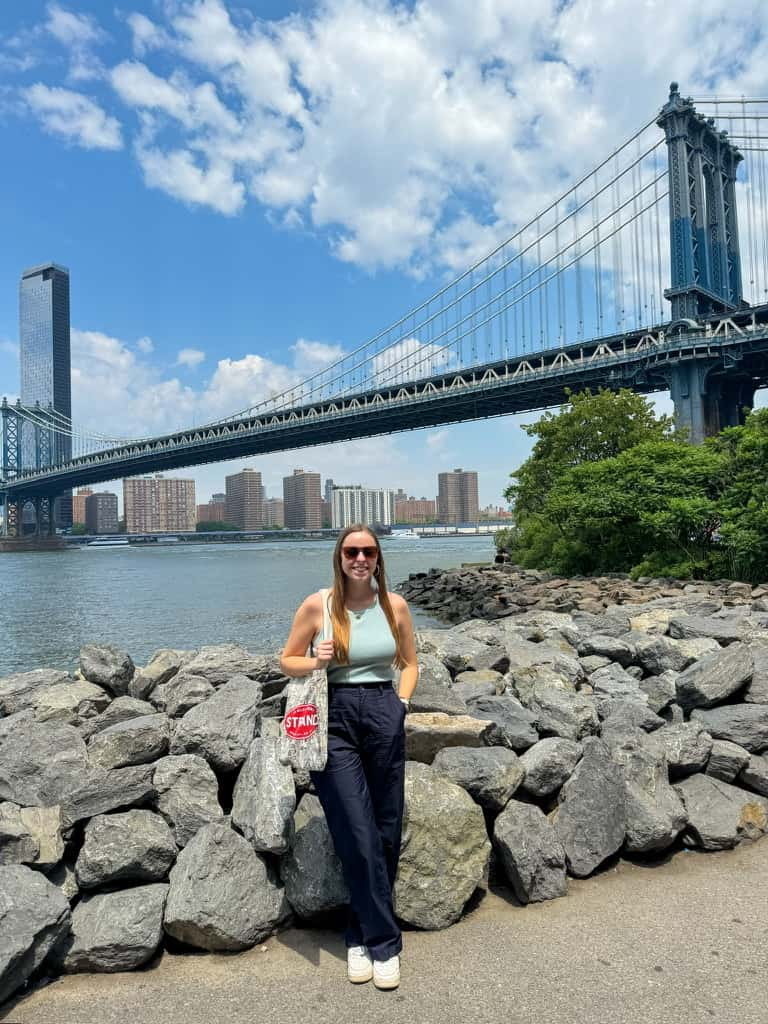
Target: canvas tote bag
[[303, 739]]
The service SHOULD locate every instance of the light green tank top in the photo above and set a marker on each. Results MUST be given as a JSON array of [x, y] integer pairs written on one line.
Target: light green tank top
[[371, 650]]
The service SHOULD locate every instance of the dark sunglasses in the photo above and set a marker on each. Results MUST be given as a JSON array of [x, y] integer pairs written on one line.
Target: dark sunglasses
[[351, 552]]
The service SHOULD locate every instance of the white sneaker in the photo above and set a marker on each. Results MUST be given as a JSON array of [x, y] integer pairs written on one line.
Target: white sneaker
[[359, 965], [386, 973]]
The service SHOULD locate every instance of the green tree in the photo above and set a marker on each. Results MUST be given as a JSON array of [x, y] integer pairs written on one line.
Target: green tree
[[78, 529], [214, 526]]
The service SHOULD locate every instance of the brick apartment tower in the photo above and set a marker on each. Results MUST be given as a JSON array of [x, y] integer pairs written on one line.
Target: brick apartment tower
[[457, 497], [302, 501], [244, 506]]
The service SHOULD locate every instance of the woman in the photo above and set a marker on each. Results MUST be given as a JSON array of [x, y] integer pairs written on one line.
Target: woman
[[362, 786]]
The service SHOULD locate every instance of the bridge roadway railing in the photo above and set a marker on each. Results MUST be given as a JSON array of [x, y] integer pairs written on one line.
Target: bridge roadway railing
[[523, 383]]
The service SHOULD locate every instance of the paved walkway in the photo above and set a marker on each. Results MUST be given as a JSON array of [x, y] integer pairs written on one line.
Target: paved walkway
[[684, 941]]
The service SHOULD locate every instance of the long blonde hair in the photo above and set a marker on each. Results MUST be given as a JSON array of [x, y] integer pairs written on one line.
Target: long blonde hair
[[339, 616]]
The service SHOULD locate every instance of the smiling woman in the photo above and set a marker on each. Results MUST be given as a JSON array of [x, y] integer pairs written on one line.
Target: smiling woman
[[362, 786]]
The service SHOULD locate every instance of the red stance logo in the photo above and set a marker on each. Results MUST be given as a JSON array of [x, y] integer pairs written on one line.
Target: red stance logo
[[300, 722]]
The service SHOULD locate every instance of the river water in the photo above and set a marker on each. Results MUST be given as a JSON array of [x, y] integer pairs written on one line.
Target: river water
[[185, 595]]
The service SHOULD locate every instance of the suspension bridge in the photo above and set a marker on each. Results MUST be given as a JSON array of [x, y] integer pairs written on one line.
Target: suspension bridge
[[649, 272]]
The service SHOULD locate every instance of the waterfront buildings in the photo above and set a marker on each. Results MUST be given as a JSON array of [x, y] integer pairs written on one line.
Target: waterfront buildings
[[244, 504], [457, 497], [101, 512], [44, 356], [78, 504], [357, 504], [302, 501], [414, 510], [159, 504], [274, 512], [212, 512]]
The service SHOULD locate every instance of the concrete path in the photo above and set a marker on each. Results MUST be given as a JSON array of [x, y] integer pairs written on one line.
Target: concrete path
[[686, 941]]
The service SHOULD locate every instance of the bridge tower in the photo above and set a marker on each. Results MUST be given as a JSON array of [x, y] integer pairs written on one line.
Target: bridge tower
[[705, 260], [12, 448]]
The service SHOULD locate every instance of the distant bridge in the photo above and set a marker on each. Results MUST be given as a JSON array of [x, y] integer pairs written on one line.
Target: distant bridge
[[576, 298]]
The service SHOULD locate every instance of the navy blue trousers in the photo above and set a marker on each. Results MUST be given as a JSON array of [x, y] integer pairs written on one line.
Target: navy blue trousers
[[361, 791]]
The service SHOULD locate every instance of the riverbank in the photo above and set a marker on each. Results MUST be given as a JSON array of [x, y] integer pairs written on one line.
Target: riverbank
[[541, 746]]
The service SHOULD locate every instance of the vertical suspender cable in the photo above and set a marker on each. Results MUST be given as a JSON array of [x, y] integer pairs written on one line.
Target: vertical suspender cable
[[542, 338], [577, 268], [660, 285], [598, 262]]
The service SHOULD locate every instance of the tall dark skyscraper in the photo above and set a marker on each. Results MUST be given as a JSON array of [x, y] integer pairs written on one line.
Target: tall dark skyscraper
[[45, 358]]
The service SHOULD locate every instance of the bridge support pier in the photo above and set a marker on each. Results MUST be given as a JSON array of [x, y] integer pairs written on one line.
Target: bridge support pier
[[704, 403]]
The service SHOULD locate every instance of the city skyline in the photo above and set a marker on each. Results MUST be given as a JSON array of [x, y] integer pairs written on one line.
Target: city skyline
[[214, 261]]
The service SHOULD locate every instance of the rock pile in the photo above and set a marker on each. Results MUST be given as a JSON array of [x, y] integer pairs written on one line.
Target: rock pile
[[141, 803]]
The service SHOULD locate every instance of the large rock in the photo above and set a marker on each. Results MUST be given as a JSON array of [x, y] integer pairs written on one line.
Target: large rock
[[571, 716], [548, 764], [655, 813], [754, 775], [181, 693], [222, 895], [40, 762], [20, 690], [73, 702], [122, 709], [107, 666], [221, 729], [454, 650], [136, 845], [745, 724], [222, 662], [624, 718], [136, 741], [426, 734], [264, 799], [469, 685], [659, 654], [724, 630], [726, 760], [720, 815], [115, 931], [590, 819], [30, 835], [532, 856], [660, 690], [615, 683], [161, 667], [434, 692], [685, 745], [445, 849], [757, 691], [311, 871], [716, 677], [107, 791], [612, 647], [34, 915], [489, 774], [186, 793], [512, 725]]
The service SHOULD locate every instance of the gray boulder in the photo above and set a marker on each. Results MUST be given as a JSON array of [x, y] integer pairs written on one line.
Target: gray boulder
[[489, 774], [512, 725], [426, 734], [18, 691], [757, 691], [107, 666], [724, 630], [660, 690], [486, 683], [615, 683], [40, 762], [659, 654], [310, 870], [264, 799], [433, 673], [624, 718], [655, 813], [222, 894], [432, 696], [532, 856], [64, 878], [30, 835], [34, 916], [726, 760], [70, 701], [715, 677], [122, 709], [221, 662], [548, 764], [136, 844], [686, 747], [454, 650], [135, 741], [103, 791], [445, 850], [754, 775], [114, 931], [612, 647], [571, 716], [524, 681], [221, 729], [162, 666], [590, 819], [186, 794], [745, 724], [181, 693], [720, 815], [489, 658]]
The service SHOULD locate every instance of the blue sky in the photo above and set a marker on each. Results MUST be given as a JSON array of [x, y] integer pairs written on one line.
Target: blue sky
[[243, 190]]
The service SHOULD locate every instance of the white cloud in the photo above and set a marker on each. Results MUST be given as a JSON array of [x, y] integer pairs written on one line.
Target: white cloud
[[311, 356], [145, 345], [190, 357], [74, 117], [78, 33]]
